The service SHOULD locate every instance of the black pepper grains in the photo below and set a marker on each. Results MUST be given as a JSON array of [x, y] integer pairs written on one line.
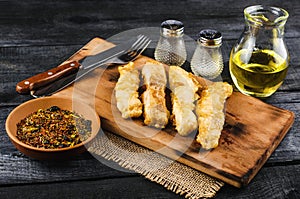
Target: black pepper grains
[[53, 128]]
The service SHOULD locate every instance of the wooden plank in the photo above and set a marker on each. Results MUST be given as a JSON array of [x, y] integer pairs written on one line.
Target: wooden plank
[[121, 187], [252, 132], [16, 168], [22, 62], [283, 180], [76, 22], [56, 28]]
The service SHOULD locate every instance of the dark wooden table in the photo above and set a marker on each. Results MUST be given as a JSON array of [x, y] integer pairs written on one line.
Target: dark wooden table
[[38, 35]]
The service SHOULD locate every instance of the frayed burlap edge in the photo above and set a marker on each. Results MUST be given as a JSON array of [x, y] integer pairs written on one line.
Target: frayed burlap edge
[[174, 176]]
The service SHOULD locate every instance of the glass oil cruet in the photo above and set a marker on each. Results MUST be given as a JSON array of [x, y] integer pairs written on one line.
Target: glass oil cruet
[[171, 47], [259, 61]]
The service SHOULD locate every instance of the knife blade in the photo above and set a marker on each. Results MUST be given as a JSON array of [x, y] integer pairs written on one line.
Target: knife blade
[[42, 79], [61, 83]]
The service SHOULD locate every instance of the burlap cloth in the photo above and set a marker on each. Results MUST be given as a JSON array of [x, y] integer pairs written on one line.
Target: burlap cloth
[[173, 175]]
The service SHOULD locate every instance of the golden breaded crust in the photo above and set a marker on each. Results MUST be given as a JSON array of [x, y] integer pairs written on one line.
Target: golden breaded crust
[[211, 117], [126, 91], [155, 111], [184, 88]]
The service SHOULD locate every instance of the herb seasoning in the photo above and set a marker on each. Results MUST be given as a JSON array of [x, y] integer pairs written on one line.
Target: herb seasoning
[[53, 128]]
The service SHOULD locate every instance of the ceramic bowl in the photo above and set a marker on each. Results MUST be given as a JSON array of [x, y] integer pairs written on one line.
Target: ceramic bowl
[[31, 106]]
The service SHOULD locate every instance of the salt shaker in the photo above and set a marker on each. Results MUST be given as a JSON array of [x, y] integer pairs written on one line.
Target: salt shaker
[[171, 47], [207, 60]]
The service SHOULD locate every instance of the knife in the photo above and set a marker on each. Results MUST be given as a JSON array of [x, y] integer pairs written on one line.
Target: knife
[[45, 78], [56, 86]]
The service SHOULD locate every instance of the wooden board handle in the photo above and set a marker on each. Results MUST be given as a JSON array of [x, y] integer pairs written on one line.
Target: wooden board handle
[[42, 79]]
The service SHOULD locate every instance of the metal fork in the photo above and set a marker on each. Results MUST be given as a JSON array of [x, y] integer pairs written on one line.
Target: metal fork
[[120, 58], [131, 53], [124, 56]]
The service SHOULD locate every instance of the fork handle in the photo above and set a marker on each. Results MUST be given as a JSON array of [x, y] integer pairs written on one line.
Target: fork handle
[[47, 77]]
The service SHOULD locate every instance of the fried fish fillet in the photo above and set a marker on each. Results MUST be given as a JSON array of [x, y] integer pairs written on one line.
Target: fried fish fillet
[[126, 91], [211, 118], [155, 111], [184, 89]]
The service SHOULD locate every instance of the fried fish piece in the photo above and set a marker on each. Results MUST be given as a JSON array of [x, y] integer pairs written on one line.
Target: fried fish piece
[[184, 89], [155, 111], [126, 91], [211, 118]]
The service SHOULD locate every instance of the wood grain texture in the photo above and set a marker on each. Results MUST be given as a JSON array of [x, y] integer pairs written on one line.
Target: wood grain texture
[[120, 186], [252, 131], [132, 187], [38, 35], [53, 22]]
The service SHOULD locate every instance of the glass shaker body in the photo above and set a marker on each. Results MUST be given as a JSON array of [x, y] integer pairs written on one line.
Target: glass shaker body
[[259, 61], [207, 60], [171, 47]]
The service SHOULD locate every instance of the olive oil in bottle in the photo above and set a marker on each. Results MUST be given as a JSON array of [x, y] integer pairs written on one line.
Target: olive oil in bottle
[[259, 60], [259, 73]]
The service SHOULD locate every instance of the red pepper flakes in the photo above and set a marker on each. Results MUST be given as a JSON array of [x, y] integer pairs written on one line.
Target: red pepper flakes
[[53, 128]]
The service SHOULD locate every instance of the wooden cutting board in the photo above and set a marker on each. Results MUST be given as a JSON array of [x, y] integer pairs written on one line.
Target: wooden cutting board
[[252, 131]]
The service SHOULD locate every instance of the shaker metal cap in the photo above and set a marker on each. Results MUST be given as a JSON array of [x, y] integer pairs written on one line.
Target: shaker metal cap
[[172, 28], [210, 37]]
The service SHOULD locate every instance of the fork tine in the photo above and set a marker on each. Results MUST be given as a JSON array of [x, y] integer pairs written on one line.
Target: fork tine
[[140, 37], [142, 47], [136, 52], [142, 43], [135, 46], [139, 47]]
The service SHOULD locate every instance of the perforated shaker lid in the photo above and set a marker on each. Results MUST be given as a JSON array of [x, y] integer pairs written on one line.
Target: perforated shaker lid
[[210, 37], [172, 28]]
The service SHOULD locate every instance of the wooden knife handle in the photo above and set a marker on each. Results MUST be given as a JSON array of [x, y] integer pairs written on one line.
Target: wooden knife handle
[[42, 79]]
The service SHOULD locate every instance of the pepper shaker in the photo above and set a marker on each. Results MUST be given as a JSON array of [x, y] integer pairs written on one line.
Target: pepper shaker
[[207, 60], [171, 47]]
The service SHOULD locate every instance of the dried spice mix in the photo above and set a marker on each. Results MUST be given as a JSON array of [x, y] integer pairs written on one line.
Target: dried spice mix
[[53, 128]]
